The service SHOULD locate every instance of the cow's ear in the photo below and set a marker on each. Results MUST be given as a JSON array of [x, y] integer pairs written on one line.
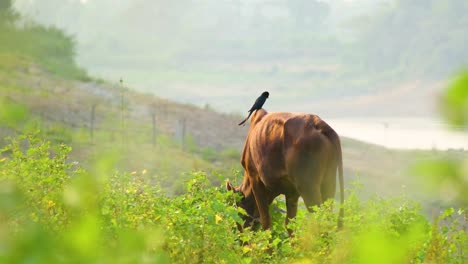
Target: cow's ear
[[229, 186]]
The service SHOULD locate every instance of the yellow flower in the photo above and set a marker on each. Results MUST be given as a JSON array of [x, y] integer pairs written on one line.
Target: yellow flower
[[246, 249], [50, 204], [218, 218], [143, 172]]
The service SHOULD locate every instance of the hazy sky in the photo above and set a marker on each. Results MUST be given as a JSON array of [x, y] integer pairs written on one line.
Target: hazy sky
[[206, 54], [209, 53]]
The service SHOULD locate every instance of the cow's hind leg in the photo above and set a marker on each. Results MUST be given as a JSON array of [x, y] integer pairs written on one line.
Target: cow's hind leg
[[312, 197], [291, 207], [328, 186], [308, 184]]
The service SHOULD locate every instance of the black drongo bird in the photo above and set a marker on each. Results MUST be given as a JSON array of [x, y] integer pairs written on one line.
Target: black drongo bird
[[257, 105]]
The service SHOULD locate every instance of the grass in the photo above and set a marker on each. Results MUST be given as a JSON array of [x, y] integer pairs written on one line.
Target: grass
[[55, 211]]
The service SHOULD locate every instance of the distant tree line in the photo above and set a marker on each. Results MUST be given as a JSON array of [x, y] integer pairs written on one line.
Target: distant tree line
[[49, 47], [415, 37], [418, 38], [6, 10]]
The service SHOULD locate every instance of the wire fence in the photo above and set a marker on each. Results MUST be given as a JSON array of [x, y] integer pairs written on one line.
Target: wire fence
[[129, 122], [145, 130]]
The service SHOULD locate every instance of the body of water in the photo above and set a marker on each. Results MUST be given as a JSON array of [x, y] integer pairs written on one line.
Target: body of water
[[402, 133]]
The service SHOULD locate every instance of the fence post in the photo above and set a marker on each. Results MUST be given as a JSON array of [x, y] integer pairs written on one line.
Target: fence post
[[122, 112], [91, 125], [153, 116], [183, 133]]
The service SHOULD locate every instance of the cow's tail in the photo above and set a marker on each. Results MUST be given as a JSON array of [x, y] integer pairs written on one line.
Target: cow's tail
[[336, 142], [341, 182]]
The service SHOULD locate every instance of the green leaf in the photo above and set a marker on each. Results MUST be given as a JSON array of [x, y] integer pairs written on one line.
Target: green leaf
[[455, 101]]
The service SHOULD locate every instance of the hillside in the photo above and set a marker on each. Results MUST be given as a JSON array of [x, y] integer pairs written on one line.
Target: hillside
[[62, 109]]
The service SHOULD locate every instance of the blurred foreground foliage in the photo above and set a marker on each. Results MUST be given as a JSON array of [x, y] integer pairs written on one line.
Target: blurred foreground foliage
[[455, 101], [53, 211], [449, 177]]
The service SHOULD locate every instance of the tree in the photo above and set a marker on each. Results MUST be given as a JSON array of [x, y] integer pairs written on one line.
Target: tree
[[308, 13], [416, 37], [5, 5], [6, 10]]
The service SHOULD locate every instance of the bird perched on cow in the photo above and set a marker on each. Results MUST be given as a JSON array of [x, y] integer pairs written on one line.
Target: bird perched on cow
[[295, 154], [257, 105]]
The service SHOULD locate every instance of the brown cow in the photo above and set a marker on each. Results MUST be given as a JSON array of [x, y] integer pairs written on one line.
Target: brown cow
[[291, 154]]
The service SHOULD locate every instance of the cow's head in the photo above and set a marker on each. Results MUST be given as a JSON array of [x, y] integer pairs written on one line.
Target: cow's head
[[247, 202]]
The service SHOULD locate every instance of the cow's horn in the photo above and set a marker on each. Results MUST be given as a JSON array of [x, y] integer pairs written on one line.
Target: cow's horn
[[229, 186]]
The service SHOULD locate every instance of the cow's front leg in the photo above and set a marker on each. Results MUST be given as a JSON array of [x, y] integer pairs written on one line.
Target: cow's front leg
[[261, 199]]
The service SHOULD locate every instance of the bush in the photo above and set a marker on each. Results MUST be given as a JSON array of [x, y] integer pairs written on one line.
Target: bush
[[53, 211]]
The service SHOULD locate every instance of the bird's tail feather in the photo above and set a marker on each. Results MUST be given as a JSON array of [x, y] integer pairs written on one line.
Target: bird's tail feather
[[245, 120]]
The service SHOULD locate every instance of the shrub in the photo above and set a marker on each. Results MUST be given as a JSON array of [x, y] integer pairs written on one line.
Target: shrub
[[53, 211]]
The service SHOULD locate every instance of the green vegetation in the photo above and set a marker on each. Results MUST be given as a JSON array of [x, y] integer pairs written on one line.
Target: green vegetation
[[50, 47], [12, 113], [53, 211], [117, 199], [167, 161], [455, 101], [32, 99], [449, 173]]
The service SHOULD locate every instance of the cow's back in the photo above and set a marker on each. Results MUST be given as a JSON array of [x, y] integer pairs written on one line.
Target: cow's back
[[264, 144], [292, 154], [280, 146]]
